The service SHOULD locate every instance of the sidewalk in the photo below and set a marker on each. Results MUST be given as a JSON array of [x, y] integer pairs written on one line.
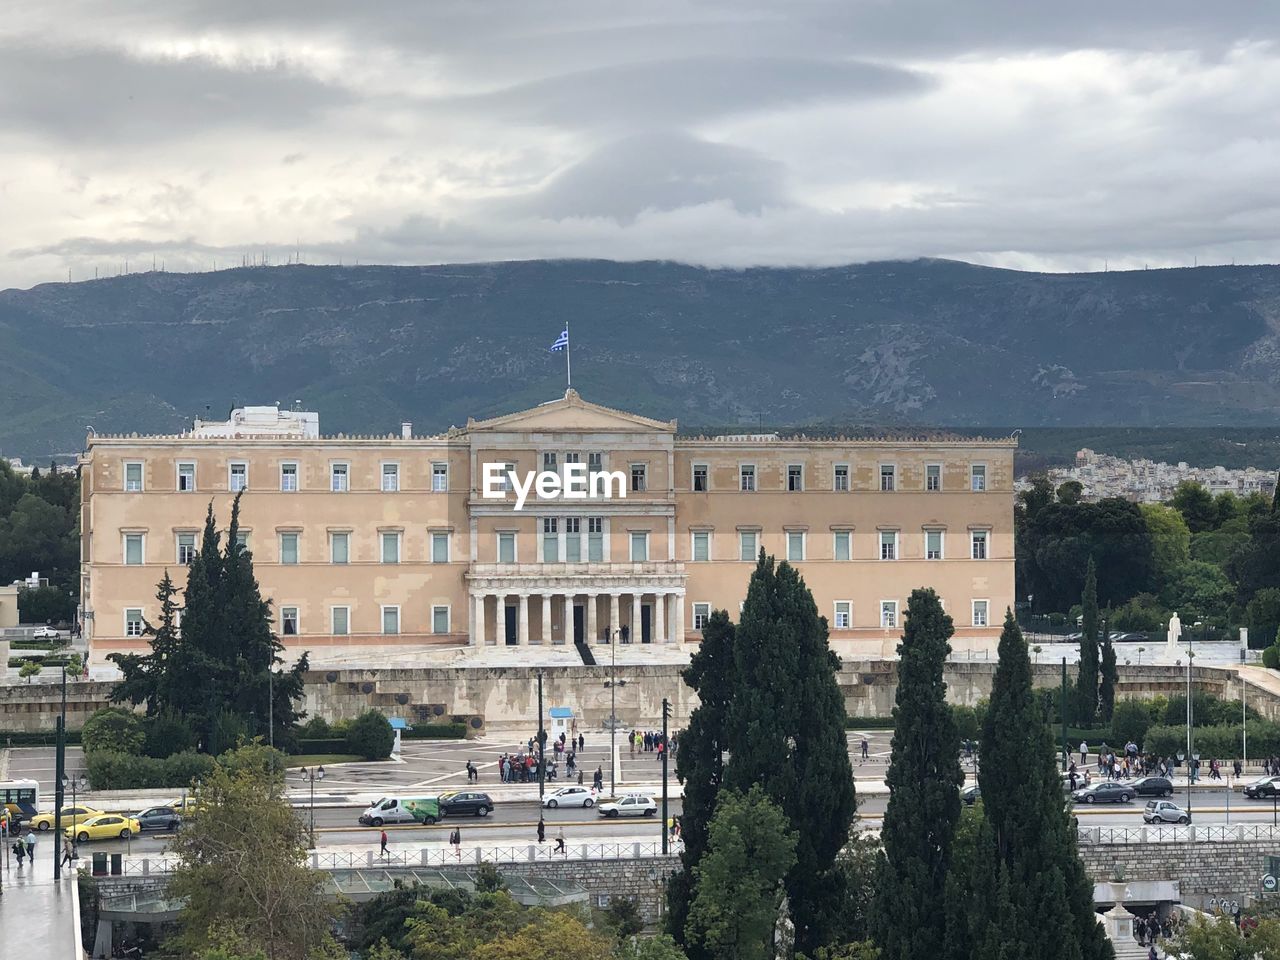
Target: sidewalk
[[37, 913]]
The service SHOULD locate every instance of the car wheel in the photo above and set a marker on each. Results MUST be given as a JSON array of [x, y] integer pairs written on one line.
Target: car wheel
[[1125, 798], [44, 825], [1184, 819], [588, 803], [429, 821], [173, 824], [1090, 798], [125, 834], [650, 813], [377, 821], [552, 803], [611, 814], [83, 838], [482, 811], [1167, 793]]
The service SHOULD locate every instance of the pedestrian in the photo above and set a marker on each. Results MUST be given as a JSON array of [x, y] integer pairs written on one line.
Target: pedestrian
[[1151, 954], [582, 743], [1084, 752], [31, 846], [67, 855], [472, 774], [19, 851], [626, 633], [456, 839], [598, 780], [542, 830], [866, 747], [383, 851], [560, 847]]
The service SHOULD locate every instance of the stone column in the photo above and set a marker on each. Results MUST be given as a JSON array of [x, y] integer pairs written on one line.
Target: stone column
[[615, 619], [593, 628], [546, 618], [568, 618], [522, 631], [659, 617], [477, 625], [679, 601]]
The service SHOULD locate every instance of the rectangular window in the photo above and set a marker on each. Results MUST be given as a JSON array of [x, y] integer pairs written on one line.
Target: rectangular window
[[933, 544], [844, 545], [980, 613], [700, 478], [507, 470], [842, 478], [550, 462], [595, 539], [888, 476], [978, 544], [288, 548], [506, 547], [747, 477], [186, 477], [888, 545], [594, 461], [572, 538], [289, 621], [639, 477], [133, 476], [701, 546], [390, 477], [440, 547], [289, 477], [390, 546], [133, 626], [440, 477], [889, 614], [391, 620], [844, 614], [340, 621], [933, 477], [747, 549], [186, 548], [550, 540], [795, 478], [639, 546], [572, 457], [338, 477], [339, 547], [439, 619], [239, 477], [701, 614], [133, 549], [978, 477], [795, 545], [242, 538]]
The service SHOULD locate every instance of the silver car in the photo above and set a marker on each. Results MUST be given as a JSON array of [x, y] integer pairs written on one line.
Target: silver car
[[1164, 811]]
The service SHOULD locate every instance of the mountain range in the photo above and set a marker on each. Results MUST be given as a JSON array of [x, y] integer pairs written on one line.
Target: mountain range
[[883, 344]]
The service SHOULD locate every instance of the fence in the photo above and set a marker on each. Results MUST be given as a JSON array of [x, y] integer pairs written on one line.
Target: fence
[[1220, 833]]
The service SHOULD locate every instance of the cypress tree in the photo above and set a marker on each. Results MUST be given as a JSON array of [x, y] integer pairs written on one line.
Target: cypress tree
[[786, 732], [1087, 675], [1108, 675], [700, 765], [149, 678], [1036, 903], [924, 791]]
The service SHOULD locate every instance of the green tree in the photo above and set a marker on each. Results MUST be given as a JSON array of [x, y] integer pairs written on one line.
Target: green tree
[[738, 886], [113, 728], [786, 733], [700, 761], [1130, 721], [151, 678], [1108, 676], [1220, 939], [254, 881], [1263, 616], [661, 947], [29, 669], [1033, 879], [37, 535], [45, 605], [1087, 669], [924, 781], [1255, 565], [857, 865], [1170, 541], [1070, 492], [370, 736], [1199, 591], [1196, 505]]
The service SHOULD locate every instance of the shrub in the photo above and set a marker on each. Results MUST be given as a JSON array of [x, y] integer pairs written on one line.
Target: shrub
[[370, 736], [256, 756], [179, 769], [851, 723], [168, 733], [112, 770], [28, 669], [230, 729], [113, 729], [317, 728], [326, 745], [967, 723], [436, 731], [1131, 719], [1271, 657]]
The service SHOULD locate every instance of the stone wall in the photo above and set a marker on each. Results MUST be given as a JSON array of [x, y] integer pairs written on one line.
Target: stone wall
[[1232, 868], [643, 879], [34, 707]]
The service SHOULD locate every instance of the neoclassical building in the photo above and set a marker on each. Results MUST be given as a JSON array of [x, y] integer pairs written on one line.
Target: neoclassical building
[[427, 541]]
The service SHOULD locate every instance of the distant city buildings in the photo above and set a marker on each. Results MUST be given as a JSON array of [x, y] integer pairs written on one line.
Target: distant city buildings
[[1146, 481]]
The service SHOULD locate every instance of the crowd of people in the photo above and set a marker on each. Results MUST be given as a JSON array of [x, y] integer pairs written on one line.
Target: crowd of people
[[1130, 762], [651, 741]]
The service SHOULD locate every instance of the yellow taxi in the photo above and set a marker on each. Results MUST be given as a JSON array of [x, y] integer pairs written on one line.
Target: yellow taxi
[[70, 815], [106, 826]]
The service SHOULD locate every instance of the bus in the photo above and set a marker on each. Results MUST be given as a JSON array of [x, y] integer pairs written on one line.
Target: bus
[[19, 799]]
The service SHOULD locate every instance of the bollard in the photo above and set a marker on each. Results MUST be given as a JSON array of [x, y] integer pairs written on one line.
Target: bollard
[[117, 864], [99, 864]]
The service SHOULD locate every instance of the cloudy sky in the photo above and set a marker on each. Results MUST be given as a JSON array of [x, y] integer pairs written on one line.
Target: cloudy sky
[[724, 133]]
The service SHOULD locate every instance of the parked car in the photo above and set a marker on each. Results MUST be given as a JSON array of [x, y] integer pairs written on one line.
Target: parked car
[[108, 826], [631, 805], [971, 795], [70, 816], [1152, 787], [1108, 791], [457, 804], [158, 818], [401, 810], [1164, 811], [569, 797], [46, 633], [1264, 787]]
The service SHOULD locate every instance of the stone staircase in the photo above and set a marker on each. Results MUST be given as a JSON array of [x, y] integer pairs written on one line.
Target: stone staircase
[[584, 651]]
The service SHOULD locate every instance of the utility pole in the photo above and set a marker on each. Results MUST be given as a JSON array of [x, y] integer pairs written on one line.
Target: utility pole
[[666, 712], [1066, 747], [542, 741], [58, 777]]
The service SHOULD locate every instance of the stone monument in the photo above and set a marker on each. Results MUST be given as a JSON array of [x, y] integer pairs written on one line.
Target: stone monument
[[1174, 635]]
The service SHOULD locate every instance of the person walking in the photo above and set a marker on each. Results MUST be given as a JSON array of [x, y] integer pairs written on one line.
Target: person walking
[[631, 739], [67, 855], [1084, 753], [582, 743], [382, 852], [31, 846], [560, 847], [866, 748], [472, 773], [598, 780], [455, 838], [542, 830], [19, 851]]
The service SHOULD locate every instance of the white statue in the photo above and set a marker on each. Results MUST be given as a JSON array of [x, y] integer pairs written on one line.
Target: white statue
[[1175, 629]]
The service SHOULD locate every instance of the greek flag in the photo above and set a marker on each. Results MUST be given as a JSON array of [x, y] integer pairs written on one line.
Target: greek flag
[[562, 341]]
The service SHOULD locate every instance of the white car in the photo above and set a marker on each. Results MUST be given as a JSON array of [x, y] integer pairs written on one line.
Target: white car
[[569, 797], [46, 633], [631, 805]]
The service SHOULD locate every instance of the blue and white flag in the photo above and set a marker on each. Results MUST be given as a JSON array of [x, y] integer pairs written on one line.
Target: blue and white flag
[[562, 341]]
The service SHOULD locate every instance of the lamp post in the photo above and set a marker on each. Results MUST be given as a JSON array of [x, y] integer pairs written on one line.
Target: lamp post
[[80, 781], [311, 777], [613, 683], [59, 775], [666, 751], [542, 742], [1191, 757]]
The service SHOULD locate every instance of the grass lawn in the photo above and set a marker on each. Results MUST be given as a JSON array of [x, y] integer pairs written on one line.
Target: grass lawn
[[321, 759]]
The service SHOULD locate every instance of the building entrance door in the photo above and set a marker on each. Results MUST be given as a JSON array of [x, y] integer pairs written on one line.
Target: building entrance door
[[646, 624], [510, 626], [579, 623]]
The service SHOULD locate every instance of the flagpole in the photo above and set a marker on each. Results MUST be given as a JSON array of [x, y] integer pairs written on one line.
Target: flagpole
[[568, 370]]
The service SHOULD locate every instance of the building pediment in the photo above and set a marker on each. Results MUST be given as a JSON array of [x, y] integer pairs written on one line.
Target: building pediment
[[571, 414]]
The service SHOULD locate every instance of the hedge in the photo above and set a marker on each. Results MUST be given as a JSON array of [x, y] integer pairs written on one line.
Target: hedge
[[43, 661], [868, 723], [327, 745], [30, 645], [1214, 742], [35, 738], [436, 731], [109, 770]]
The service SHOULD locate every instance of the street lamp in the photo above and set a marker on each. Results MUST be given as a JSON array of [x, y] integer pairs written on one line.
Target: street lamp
[[613, 683], [311, 777], [1192, 757], [82, 782]]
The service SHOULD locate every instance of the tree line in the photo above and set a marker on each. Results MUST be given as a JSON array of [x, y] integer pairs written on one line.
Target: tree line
[[40, 532]]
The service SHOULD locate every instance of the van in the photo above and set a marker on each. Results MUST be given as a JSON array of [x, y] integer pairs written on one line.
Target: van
[[401, 810]]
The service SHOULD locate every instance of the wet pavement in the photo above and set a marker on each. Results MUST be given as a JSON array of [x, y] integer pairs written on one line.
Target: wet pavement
[[36, 912]]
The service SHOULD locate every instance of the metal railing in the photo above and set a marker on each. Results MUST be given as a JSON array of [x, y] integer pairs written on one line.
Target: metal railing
[[1218, 833]]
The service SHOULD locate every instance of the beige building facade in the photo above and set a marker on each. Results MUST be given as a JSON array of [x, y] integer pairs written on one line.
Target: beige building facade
[[423, 541]]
